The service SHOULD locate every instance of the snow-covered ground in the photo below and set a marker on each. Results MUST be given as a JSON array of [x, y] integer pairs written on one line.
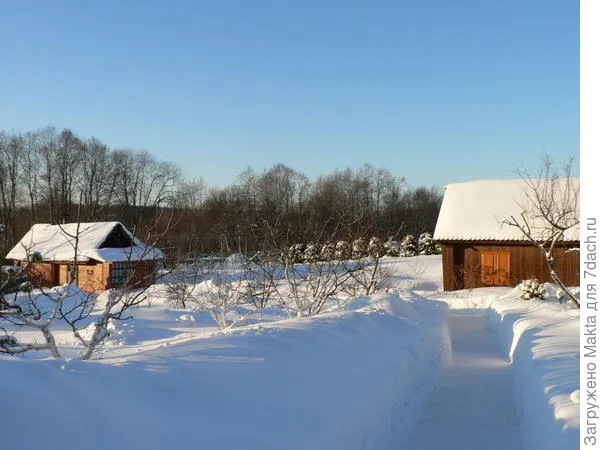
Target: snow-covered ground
[[411, 368]]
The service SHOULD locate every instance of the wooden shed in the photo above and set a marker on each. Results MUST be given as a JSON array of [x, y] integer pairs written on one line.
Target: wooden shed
[[479, 250], [105, 255]]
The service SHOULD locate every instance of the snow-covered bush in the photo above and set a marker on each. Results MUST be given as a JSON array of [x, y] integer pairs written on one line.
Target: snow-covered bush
[[392, 247], [408, 246], [359, 248], [342, 250], [426, 245], [311, 253], [375, 248], [327, 252], [296, 253], [532, 289]]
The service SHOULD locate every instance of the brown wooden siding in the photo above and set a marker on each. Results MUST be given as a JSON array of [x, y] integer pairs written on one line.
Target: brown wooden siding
[[452, 272], [91, 277], [144, 274], [41, 274], [462, 264]]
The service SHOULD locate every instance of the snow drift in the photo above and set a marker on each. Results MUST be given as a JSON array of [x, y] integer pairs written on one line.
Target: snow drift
[[541, 338], [336, 381]]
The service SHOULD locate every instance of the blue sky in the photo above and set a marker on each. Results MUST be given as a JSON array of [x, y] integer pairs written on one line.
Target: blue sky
[[436, 91]]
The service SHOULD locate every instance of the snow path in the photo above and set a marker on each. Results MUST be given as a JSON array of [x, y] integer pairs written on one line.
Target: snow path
[[471, 407]]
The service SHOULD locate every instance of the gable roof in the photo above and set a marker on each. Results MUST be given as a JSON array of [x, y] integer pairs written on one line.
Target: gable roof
[[474, 211], [56, 243]]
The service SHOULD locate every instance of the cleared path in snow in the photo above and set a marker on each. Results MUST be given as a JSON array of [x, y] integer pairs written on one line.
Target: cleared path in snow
[[471, 407]]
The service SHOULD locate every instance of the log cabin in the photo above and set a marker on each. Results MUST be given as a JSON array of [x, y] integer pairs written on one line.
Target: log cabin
[[479, 249], [104, 255]]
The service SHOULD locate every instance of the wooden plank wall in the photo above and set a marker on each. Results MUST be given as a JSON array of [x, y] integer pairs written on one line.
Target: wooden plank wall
[[526, 262], [144, 274], [448, 271], [91, 277], [41, 274]]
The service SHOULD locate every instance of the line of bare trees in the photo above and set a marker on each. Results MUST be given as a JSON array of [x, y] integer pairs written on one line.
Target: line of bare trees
[[346, 204], [54, 176]]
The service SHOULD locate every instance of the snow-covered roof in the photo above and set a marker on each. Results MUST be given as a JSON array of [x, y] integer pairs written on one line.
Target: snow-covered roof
[[57, 243], [475, 210]]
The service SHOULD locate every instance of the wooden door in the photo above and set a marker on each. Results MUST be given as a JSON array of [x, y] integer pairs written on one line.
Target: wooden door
[[495, 268]]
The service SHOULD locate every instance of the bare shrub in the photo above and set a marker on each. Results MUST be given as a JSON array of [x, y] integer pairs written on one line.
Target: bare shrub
[[417, 267]]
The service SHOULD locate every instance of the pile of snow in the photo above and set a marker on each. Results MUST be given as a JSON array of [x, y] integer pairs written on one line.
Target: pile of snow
[[343, 380], [542, 340]]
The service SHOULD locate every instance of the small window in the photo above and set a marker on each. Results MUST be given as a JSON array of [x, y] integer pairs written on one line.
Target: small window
[[120, 273]]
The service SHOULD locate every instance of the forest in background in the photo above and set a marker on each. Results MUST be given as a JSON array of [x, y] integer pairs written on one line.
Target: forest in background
[[54, 176]]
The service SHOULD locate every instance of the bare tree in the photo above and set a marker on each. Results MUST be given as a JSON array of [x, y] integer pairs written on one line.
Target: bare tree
[[218, 296], [144, 184], [217, 288], [304, 277], [31, 167], [368, 274], [189, 234], [10, 150], [48, 148], [550, 210], [68, 159], [183, 279], [96, 179]]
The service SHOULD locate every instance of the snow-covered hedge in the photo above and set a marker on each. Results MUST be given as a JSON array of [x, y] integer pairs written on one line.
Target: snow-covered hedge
[[364, 248]]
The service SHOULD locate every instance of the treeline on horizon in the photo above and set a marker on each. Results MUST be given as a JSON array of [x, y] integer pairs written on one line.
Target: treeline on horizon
[[52, 176]]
